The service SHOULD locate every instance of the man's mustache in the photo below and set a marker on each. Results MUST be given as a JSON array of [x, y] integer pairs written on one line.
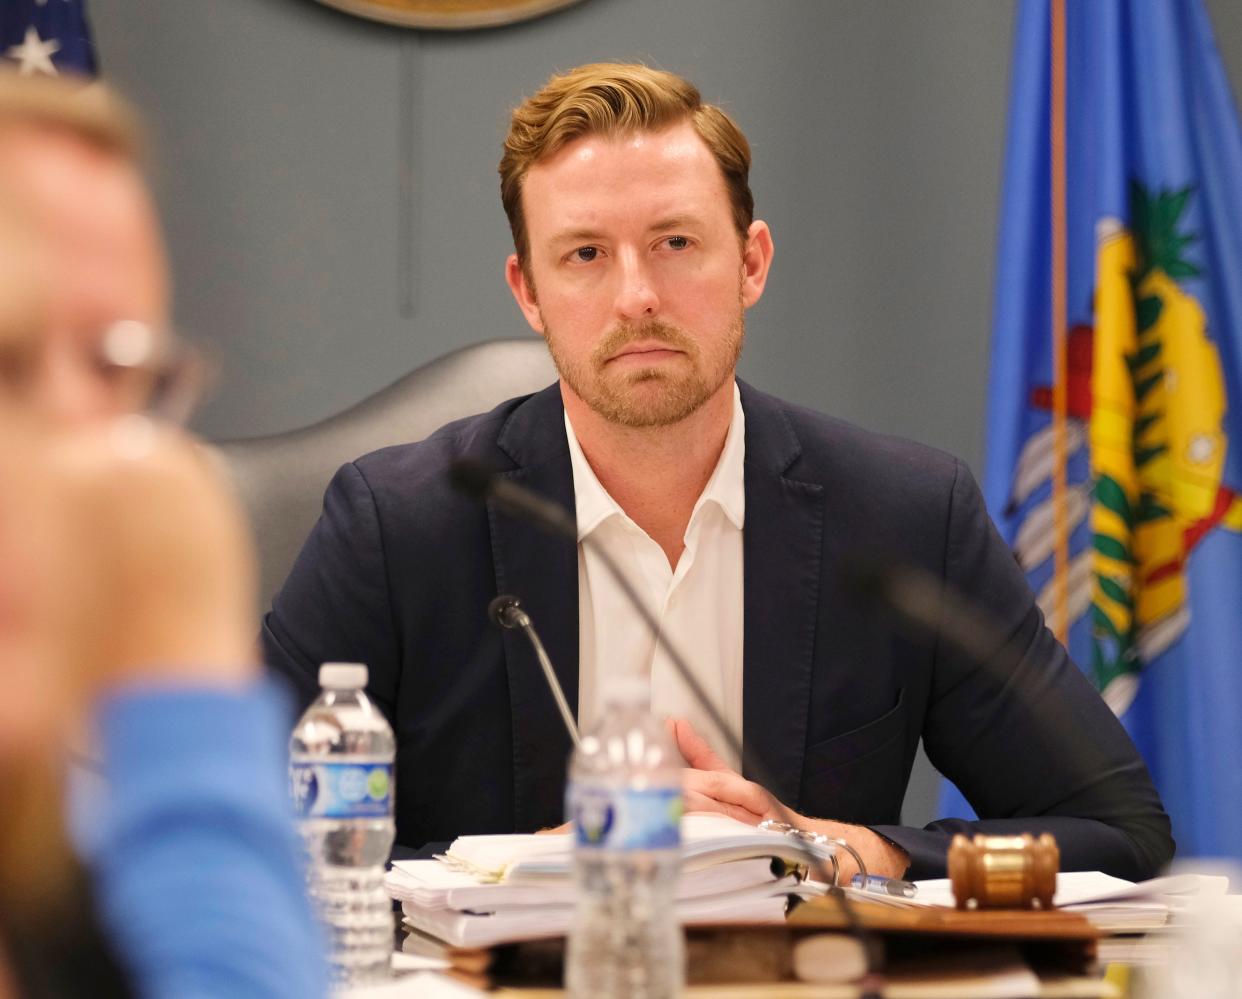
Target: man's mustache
[[652, 329]]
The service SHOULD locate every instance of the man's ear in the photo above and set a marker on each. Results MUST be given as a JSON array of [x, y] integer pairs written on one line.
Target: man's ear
[[523, 292], [756, 261]]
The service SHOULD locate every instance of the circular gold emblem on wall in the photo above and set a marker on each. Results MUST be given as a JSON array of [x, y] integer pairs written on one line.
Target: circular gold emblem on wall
[[449, 15]]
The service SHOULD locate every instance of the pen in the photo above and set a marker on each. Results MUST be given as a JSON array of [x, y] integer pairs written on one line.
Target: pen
[[884, 886]]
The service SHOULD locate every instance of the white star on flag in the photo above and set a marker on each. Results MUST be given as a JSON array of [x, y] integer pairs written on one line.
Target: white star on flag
[[34, 54]]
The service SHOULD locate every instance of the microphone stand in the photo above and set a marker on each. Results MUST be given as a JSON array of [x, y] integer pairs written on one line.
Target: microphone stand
[[476, 479], [507, 612]]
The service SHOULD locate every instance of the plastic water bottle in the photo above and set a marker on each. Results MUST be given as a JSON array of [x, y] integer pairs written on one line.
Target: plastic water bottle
[[625, 802], [341, 777]]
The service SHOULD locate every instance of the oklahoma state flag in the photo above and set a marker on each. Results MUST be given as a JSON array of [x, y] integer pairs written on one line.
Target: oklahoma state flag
[[1148, 426]]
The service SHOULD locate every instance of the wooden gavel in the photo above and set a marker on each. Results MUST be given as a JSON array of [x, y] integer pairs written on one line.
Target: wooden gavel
[[1004, 872]]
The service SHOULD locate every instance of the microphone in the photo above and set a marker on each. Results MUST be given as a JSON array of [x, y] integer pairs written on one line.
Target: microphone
[[927, 605], [478, 480], [483, 483], [932, 610], [506, 612]]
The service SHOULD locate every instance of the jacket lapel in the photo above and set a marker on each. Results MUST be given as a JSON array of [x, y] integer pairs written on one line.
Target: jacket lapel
[[781, 551], [541, 571]]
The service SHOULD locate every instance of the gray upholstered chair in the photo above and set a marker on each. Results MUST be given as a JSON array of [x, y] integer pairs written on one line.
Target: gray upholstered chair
[[282, 477]]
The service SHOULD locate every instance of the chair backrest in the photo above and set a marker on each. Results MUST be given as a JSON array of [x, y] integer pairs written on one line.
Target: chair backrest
[[282, 477]]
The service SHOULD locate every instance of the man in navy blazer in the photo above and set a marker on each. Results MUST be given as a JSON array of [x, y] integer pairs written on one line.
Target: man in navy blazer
[[636, 257]]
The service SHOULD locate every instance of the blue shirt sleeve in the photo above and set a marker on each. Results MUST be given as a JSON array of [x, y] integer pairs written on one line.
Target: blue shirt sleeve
[[197, 871]]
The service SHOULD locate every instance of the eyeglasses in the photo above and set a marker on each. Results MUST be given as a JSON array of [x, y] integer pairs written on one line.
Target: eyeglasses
[[146, 369], [154, 371]]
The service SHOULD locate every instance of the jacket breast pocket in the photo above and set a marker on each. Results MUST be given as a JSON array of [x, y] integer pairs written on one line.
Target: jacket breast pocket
[[859, 776]]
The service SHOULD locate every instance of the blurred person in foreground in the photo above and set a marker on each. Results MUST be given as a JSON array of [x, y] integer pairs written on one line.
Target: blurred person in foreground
[[126, 583]]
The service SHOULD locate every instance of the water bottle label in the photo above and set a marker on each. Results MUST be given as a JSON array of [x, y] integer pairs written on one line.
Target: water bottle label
[[625, 819], [341, 790]]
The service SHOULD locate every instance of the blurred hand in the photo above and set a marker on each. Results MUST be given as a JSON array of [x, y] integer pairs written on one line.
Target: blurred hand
[[38, 589], [165, 567], [123, 557]]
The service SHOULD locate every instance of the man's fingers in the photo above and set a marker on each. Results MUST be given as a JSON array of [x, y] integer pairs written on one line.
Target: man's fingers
[[729, 788], [696, 802], [694, 748]]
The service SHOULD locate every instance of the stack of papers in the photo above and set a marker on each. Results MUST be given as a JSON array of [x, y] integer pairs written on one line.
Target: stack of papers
[[1118, 906], [489, 890], [432, 884], [1114, 905], [707, 840]]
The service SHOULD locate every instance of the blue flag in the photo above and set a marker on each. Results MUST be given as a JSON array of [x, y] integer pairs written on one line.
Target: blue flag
[[1153, 383], [46, 36]]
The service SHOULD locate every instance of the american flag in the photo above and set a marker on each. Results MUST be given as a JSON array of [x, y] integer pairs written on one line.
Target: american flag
[[46, 36]]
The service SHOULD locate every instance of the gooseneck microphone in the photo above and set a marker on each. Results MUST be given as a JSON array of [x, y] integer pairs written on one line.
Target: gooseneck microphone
[[931, 608], [473, 478], [506, 612], [476, 479]]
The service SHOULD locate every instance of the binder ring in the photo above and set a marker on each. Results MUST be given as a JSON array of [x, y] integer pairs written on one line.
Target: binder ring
[[818, 839]]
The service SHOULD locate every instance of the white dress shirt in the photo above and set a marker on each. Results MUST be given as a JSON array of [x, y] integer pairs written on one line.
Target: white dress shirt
[[698, 604]]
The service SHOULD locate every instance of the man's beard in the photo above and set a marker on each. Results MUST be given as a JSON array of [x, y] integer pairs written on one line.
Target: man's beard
[[660, 395]]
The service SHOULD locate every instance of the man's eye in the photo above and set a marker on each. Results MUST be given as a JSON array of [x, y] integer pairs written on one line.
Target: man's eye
[[585, 254], [678, 242]]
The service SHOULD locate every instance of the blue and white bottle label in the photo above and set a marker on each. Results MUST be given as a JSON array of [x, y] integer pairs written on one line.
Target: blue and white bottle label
[[610, 818], [341, 790]]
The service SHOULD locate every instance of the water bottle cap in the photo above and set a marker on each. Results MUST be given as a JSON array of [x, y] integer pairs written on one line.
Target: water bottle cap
[[627, 688], [342, 676]]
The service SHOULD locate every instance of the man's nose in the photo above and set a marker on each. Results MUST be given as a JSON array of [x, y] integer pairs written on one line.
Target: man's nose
[[636, 297]]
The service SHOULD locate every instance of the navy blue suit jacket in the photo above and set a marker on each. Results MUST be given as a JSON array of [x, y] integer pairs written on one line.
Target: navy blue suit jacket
[[399, 571]]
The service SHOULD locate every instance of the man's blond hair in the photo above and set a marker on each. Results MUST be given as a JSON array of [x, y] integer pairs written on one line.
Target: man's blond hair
[[93, 113], [617, 99]]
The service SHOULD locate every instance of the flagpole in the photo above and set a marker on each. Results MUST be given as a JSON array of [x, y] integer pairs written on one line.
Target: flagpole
[[1060, 520]]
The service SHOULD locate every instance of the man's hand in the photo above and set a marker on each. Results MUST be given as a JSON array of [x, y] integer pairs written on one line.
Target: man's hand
[[711, 786]]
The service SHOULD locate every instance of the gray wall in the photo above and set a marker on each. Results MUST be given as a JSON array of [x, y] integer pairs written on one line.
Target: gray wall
[[317, 269], [280, 126]]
